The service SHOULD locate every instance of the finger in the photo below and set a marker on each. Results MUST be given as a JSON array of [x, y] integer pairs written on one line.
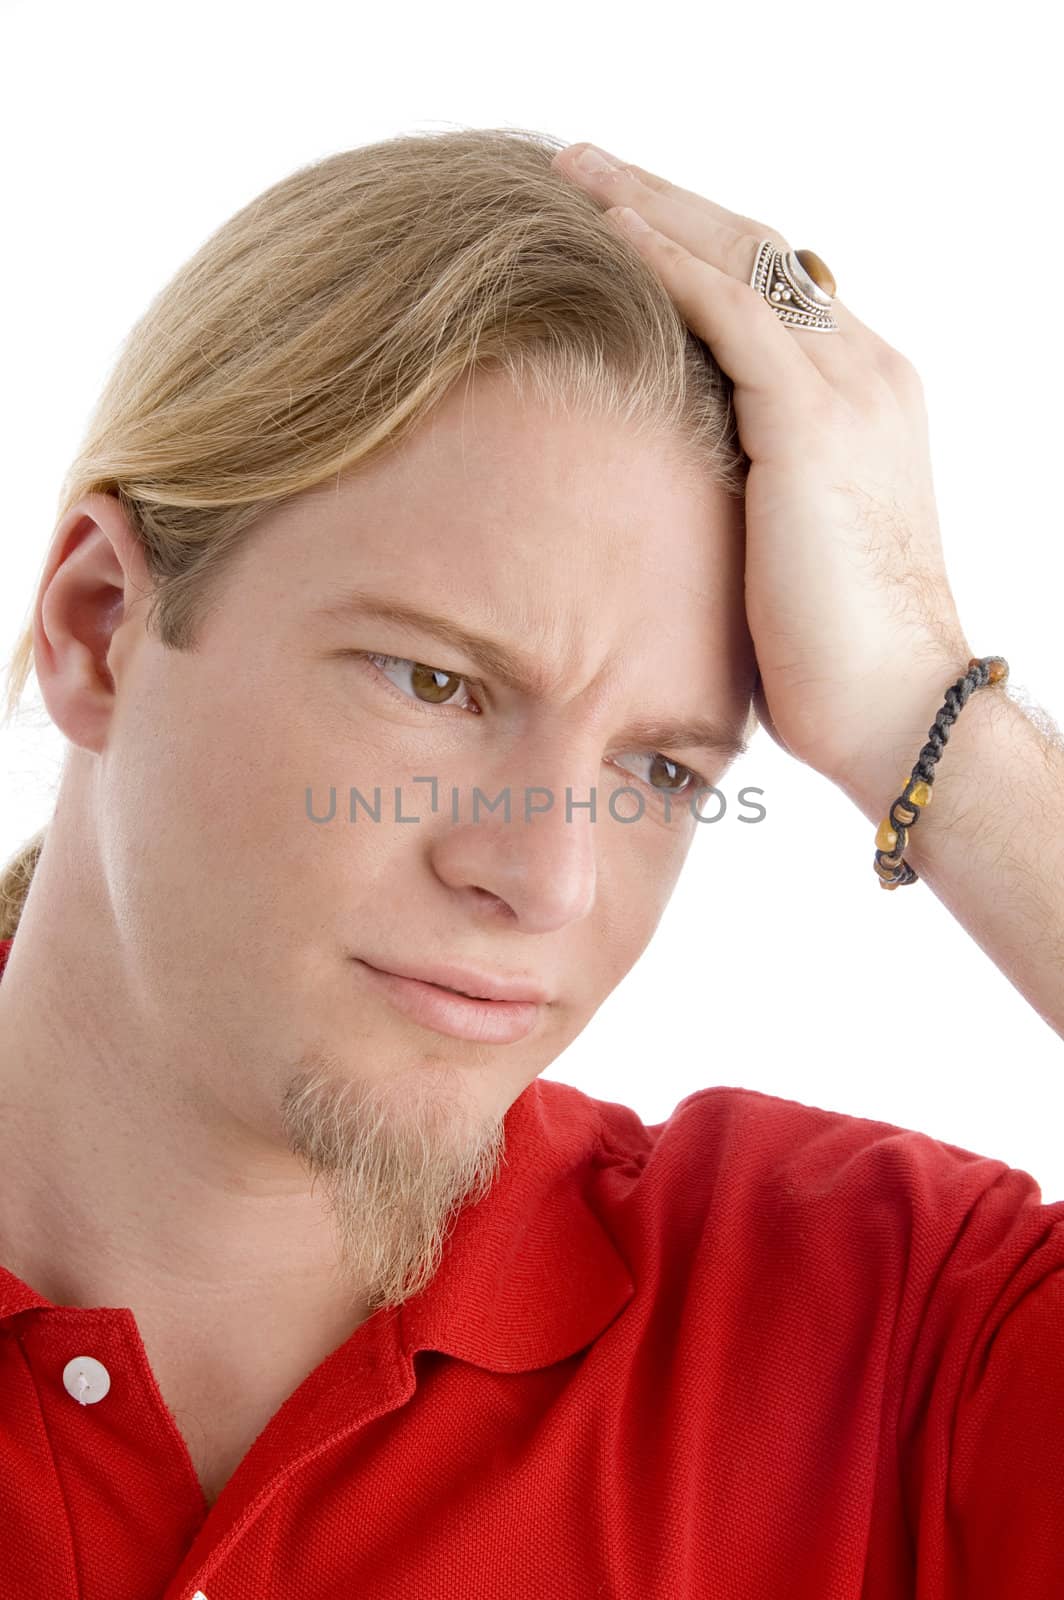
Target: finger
[[740, 327], [653, 180], [730, 243], [704, 228]]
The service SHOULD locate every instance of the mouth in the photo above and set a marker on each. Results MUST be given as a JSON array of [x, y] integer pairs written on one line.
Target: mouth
[[451, 1011], [471, 983]]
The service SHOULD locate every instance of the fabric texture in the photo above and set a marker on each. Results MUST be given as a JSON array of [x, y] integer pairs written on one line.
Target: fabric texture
[[759, 1351]]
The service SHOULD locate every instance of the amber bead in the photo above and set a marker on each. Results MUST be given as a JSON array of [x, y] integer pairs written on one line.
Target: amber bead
[[886, 837], [920, 794], [817, 270], [997, 668]]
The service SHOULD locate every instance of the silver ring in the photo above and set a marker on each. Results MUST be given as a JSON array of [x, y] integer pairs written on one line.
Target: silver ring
[[795, 297]]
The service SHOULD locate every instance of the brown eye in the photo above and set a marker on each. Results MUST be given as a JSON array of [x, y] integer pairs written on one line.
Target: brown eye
[[672, 769], [432, 683], [677, 779], [428, 685]]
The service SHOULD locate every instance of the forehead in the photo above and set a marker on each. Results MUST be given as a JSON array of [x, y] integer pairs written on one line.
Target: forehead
[[534, 507], [611, 563]]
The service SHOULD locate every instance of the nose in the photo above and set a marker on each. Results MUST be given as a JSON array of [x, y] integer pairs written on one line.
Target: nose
[[542, 863]]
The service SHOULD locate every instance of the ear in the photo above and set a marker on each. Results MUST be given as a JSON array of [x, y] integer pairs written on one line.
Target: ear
[[82, 631]]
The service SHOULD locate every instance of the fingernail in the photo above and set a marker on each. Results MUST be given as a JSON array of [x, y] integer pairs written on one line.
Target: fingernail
[[594, 160]]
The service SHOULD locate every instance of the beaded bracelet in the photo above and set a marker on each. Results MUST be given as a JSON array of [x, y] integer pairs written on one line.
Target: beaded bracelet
[[892, 835]]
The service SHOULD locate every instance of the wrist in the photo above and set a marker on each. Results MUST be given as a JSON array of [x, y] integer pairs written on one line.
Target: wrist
[[899, 728]]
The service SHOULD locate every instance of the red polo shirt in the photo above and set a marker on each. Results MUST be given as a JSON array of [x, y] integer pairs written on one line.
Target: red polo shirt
[[759, 1351]]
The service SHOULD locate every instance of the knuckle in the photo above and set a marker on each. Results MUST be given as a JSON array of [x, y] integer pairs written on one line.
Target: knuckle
[[754, 232], [650, 180], [833, 415], [898, 369], [746, 245], [871, 392], [673, 249]]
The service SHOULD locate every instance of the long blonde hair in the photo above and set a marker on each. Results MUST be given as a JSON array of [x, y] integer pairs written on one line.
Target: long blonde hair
[[330, 314]]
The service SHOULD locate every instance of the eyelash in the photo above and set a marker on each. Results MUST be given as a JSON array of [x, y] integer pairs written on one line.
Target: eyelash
[[369, 659]]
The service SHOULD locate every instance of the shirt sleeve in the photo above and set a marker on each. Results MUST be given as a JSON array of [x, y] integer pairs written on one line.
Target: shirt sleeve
[[982, 1443], [1005, 1503]]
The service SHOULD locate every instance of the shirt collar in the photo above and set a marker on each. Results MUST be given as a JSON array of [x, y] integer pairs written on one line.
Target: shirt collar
[[532, 1273]]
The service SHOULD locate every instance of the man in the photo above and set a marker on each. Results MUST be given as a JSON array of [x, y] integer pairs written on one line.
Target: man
[[644, 1365], [201, 1024]]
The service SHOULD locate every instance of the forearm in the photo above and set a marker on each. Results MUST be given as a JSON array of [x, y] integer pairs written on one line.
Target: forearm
[[991, 843]]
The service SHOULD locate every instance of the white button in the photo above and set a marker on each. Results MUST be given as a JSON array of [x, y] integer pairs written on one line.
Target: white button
[[87, 1379]]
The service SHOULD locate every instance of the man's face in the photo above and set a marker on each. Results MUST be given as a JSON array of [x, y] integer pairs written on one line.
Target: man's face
[[618, 574]]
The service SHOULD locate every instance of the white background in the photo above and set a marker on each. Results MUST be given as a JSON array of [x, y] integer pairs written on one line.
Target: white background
[[916, 147]]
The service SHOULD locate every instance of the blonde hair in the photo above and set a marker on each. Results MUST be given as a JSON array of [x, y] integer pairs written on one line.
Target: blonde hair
[[330, 314]]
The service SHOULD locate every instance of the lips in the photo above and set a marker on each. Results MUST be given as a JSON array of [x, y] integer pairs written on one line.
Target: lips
[[471, 984], [446, 1010]]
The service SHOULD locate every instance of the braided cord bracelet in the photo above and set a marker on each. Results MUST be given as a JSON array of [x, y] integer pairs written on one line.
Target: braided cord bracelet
[[892, 835]]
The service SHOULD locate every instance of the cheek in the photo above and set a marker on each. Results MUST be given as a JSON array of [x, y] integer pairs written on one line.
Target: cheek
[[634, 889], [313, 864], [166, 814], [212, 791]]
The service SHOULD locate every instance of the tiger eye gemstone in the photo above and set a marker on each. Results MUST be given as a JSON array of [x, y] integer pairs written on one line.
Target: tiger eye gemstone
[[886, 838], [997, 668], [817, 270]]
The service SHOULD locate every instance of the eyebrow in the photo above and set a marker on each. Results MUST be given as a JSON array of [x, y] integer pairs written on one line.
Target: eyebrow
[[523, 672]]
